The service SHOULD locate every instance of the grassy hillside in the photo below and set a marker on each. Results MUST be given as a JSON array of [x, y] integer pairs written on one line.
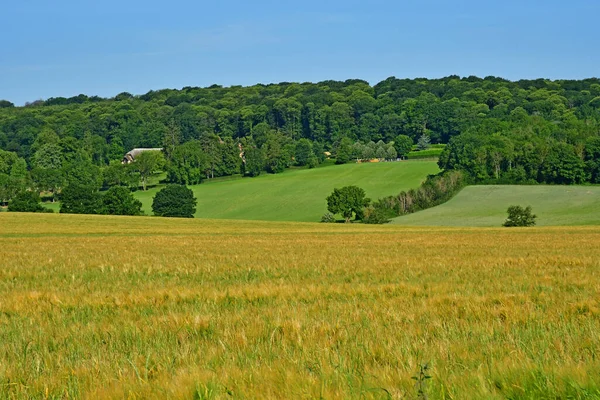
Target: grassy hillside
[[120, 307], [299, 195], [486, 206]]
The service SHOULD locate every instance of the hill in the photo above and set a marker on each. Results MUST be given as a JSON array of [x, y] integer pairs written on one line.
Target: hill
[[486, 206], [170, 308], [298, 195]]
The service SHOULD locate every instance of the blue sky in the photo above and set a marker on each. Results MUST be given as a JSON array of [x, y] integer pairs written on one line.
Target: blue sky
[[67, 47]]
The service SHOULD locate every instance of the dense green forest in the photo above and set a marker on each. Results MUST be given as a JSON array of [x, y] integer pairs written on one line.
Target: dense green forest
[[496, 130]]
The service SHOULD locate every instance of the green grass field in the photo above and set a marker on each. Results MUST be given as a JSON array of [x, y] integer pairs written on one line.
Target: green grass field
[[487, 205], [298, 195]]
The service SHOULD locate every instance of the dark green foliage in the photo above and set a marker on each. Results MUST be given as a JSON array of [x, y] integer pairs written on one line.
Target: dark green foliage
[[80, 199], [81, 171], [188, 165], [277, 157], [375, 215], [519, 216], [304, 152], [343, 151], [255, 161], [347, 201], [174, 201], [117, 174], [148, 164], [13, 175], [403, 145], [436, 189], [328, 218], [118, 200], [26, 201], [424, 142], [494, 126], [47, 180]]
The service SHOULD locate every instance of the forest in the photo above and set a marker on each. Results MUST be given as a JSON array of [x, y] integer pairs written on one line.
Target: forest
[[496, 130]]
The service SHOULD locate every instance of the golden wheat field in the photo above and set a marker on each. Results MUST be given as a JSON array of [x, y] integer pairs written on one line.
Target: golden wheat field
[[98, 307]]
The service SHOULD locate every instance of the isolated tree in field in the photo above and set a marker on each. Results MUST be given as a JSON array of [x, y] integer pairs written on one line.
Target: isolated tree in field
[[403, 145], [519, 216], [118, 200], [26, 201], [347, 201], [174, 201], [147, 164]]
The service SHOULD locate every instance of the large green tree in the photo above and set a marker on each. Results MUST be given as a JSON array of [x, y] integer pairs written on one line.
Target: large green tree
[[148, 164], [188, 164], [348, 201], [78, 198], [174, 201], [118, 200]]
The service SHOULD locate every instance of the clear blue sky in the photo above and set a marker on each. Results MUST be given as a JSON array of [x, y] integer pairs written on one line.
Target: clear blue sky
[[67, 47]]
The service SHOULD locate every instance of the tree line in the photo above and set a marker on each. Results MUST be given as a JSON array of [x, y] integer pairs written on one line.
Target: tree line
[[496, 130]]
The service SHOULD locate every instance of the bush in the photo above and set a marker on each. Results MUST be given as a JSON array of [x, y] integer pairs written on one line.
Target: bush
[[519, 216], [26, 201], [375, 215], [328, 218], [174, 201]]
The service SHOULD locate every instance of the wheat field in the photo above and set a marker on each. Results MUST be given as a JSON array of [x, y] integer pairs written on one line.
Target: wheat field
[[98, 307]]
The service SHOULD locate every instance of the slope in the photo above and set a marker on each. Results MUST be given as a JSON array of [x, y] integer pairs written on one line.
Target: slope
[[298, 195], [486, 206]]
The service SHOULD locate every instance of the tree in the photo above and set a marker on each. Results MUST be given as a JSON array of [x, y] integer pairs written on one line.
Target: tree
[[519, 216], [403, 145], [347, 201], [174, 201], [391, 153], [344, 151], [47, 180], [117, 174], [171, 138], [26, 201], [303, 151], [188, 164], [118, 200], [48, 156], [277, 158], [148, 164], [255, 161], [13, 175], [424, 142], [78, 198]]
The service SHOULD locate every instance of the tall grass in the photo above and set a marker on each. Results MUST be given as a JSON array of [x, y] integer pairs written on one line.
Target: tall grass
[[118, 307]]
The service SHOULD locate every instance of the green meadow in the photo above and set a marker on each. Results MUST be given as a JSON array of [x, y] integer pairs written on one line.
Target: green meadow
[[298, 195], [487, 205]]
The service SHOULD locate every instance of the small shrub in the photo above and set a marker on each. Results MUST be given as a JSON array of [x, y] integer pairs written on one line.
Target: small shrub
[[519, 216], [328, 218], [421, 381]]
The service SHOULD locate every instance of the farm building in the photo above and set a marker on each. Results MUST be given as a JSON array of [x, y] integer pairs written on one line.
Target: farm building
[[131, 155]]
